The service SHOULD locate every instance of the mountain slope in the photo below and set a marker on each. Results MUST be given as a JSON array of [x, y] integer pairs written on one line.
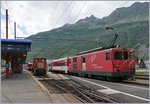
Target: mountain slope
[[131, 23]]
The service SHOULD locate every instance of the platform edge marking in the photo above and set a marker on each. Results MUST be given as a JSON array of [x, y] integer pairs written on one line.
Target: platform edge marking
[[113, 89]]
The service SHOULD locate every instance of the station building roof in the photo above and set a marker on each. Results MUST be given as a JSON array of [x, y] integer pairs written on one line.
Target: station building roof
[[15, 48], [15, 41]]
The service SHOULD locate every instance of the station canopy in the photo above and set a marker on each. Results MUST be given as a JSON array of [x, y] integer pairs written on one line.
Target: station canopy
[[15, 48]]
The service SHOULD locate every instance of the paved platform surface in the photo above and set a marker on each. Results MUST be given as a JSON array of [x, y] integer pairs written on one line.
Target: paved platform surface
[[138, 81], [22, 88]]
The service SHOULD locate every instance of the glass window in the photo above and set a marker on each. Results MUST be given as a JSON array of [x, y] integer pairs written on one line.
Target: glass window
[[118, 56], [107, 56], [125, 55], [75, 66], [75, 59], [83, 59]]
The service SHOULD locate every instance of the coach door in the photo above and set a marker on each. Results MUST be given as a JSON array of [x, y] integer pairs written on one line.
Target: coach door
[[83, 63]]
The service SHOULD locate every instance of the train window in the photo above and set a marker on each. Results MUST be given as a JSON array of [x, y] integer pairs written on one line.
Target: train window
[[75, 59], [63, 64], [75, 66], [107, 56], [118, 56], [83, 60], [125, 55]]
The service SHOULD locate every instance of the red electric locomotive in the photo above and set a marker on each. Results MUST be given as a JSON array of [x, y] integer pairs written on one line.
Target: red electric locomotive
[[113, 63], [110, 63], [39, 66]]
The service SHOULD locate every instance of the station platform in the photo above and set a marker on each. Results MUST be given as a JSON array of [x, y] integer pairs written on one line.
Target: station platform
[[138, 81], [22, 88]]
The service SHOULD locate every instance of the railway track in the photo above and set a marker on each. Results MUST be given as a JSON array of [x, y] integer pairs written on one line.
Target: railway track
[[79, 91]]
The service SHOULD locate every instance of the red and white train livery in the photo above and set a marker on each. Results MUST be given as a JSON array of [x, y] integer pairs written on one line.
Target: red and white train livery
[[59, 65], [108, 63]]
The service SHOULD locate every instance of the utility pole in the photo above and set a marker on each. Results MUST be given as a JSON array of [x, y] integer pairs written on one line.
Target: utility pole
[[7, 56], [14, 30], [6, 24]]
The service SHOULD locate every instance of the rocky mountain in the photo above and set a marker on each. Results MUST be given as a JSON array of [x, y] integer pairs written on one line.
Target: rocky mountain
[[131, 23], [140, 10], [90, 19]]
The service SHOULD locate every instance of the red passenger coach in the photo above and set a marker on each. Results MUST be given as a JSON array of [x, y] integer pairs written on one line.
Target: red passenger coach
[[109, 63], [60, 65]]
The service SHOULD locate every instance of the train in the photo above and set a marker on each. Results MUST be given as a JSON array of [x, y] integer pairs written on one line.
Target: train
[[59, 65], [108, 63], [30, 66], [18, 68], [39, 66]]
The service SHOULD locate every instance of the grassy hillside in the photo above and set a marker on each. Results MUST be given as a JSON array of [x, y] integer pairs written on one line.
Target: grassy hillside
[[131, 23]]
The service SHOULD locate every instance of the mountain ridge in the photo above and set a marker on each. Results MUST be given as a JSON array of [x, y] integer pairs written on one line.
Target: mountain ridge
[[132, 29]]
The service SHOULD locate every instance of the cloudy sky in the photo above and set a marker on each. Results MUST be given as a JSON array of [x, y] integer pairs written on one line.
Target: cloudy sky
[[37, 16]]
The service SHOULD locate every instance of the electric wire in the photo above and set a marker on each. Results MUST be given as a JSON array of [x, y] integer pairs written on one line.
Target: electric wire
[[63, 39], [122, 4], [2, 8], [62, 14], [50, 17], [71, 10], [80, 10]]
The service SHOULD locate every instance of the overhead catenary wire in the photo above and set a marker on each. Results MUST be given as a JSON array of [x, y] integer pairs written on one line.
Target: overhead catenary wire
[[2, 7], [122, 4], [53, 12], [62, 14], [62, 39], [8, 7], [71, 10], [80, 10]]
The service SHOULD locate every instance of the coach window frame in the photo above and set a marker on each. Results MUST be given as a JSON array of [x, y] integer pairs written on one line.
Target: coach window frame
[[74, 59], [107, 55]]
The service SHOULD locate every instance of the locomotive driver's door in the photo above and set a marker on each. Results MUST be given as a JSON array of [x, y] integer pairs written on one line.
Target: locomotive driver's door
[[83, 63]]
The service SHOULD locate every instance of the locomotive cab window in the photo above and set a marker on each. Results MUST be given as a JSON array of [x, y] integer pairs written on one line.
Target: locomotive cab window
[[107, 55], [125, 55], [118, 55]]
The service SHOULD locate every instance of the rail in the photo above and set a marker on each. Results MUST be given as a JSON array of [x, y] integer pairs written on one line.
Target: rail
[[79, 91]]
